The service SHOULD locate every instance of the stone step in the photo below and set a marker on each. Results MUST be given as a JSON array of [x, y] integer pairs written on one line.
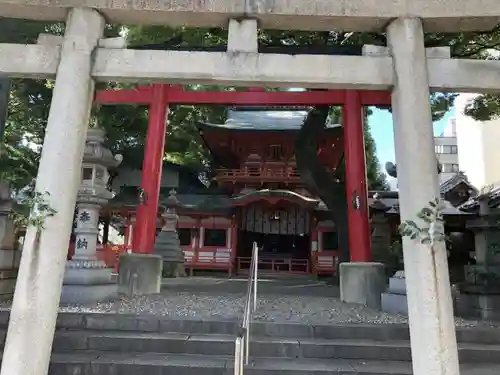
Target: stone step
[[153, 363], [223, 345], [149, 323]]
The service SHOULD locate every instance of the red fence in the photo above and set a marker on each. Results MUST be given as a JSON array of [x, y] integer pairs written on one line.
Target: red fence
[[324, 262], [276, 265], [208, 260], [110, 254]]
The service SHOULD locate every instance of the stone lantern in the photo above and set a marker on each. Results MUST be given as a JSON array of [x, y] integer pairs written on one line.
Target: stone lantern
[[88, 279], [9, 254], [167, 243]]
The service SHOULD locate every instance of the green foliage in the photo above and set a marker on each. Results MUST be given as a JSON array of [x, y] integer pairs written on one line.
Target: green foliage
[[33, 210], [433, 229], [376, 178], [126, 126]]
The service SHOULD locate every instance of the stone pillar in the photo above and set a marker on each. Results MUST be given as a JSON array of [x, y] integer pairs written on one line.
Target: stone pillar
[[88, 279], [432, 326], [9, 255], [34, 309]]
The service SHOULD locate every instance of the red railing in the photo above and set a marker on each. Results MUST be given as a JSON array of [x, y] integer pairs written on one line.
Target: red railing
[[324, 262], [275, 265], [208, 260], [110, 254]]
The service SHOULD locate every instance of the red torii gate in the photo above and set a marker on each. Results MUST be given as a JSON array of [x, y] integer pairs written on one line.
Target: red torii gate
[[159, 96]]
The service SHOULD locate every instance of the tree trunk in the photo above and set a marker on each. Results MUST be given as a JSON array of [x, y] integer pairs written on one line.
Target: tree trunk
[[320, 180]]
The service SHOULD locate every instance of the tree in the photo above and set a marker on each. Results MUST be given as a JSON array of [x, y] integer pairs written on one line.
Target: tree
[[126, 125], [29, 105]]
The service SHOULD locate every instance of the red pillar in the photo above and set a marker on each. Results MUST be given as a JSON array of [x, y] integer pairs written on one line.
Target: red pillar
[[147, 212], [356, 185]]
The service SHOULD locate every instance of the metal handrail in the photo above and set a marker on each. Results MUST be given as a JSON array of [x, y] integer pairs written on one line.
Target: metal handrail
[[242, 343]]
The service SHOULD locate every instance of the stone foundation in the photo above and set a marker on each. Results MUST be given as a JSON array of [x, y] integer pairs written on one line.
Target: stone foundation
[[139, 274], [88, 293], [394, 299], [478, 302], [362, 283], [88, 284]]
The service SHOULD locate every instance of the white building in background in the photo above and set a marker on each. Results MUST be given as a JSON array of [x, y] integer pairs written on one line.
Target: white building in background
[[447, 151], [478, 145]]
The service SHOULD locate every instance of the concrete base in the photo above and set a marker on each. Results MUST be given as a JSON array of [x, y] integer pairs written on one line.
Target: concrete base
[[173, 270], [90, 276], [397, 285], [394, 303], [478, 306], [362, 283], [86, 285], [88, 293], [139, 274]]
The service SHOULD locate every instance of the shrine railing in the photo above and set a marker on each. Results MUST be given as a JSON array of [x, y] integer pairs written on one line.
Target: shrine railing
[[274, 265], [324, 262], [110, 254], [208, 260], [242, 343]]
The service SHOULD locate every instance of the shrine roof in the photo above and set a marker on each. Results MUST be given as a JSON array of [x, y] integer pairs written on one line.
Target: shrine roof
[[454, 181], [264, 119], [490, 192], [448, 210], [388, 201], [382, 201], [129, 197], [277, 194]]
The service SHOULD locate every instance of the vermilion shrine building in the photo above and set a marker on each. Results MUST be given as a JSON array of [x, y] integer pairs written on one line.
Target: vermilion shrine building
[[259, 196]]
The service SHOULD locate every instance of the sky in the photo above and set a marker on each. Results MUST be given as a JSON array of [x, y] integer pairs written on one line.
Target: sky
[[383, 133]]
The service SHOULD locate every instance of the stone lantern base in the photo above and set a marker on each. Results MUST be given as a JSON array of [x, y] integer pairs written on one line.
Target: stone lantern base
[[168, 247], [87, 282]]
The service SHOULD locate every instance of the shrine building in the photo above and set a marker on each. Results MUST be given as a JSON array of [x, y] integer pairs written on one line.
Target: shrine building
[[257, 195]]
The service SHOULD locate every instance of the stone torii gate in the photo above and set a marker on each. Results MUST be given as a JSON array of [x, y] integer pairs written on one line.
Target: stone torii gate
[[82, 57]]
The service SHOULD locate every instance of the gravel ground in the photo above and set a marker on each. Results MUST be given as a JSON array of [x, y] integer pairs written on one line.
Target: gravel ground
[[274, 308]]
